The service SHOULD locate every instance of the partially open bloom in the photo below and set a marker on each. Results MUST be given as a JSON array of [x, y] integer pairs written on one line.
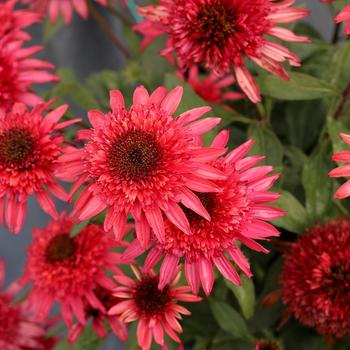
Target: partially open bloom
[[68, 270], [220, 33], [267, 344], [30, 144], [157, 311], [210, 88], [342, 171], [55, 8], [343, 16], [18, 330], [99, 317], [12, 21], [143, 161], [315, 279], [19, 71], [238, 214]]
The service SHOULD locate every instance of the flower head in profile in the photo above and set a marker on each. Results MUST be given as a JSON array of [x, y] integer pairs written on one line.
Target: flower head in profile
[[19, 71], [315, 279], [18, 329], [55, 8], [220, 34], [157, 311], [343, 170], [100, 317], [343, 16], [142, 161], [210, 88], [238, 215], [68, 270], [30, 144]]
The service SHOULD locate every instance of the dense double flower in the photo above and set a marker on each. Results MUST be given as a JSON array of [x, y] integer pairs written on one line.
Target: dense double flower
[[238, 214], [220, 33], [30, 145], [315, 279], [143, 162]]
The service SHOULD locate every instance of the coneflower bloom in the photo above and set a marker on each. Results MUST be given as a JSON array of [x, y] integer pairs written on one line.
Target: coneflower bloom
[[342, 171], [99, 317], [67, 270], [12, 21], [238, 214], [210, 88], [343, 16], [220, 33], [157, 311], [268, 344], [55, 8], [19, 71], [143, 161], [18, 330], [315, 279], [30, 144]]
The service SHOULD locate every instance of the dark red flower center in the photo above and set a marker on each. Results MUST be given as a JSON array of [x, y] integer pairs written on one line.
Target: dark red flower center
[[16, 145], [337, 282], [268, 345], [149, 299], [215, 23], [9, 321], [135, 154], [208, 201], [60, 248]]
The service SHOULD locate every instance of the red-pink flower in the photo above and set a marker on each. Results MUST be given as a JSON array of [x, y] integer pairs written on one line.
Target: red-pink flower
[[342, 171], [267, 344], [315, 279], [18, 330], [30, 145], [143, 162], [99, 317], [157, 311], [210, 88], [343, 16], [12, 21], [238, 214], [19, 71], [67, 269], [55, 8], [221, 33]]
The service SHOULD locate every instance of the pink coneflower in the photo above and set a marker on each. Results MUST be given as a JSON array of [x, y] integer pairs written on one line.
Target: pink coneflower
[[238, 215], [99, 317], [19, 71], [156, 310], [143, 161], [315, 279], [55, 8], [342, 171], [221, 33], [343, 16], [67, 270], [30, 144], [210, 88], [12, 21], [18, 330]]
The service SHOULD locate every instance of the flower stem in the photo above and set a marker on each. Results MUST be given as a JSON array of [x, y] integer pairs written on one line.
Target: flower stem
[[343, 101], [125, 19]]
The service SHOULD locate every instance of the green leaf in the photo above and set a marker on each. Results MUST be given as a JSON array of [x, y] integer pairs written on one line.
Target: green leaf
[[299, 87], [335, 127], [296, 218], [230, 320], [88, 341], [244, 294], [317, 184], [266, 144], [131, 343]]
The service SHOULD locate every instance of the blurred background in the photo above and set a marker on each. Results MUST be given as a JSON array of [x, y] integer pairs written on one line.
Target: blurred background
[[84, 48]]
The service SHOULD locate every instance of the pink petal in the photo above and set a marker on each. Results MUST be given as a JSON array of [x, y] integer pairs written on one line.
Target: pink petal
[[167, 270], [172, 100], [206, 274]]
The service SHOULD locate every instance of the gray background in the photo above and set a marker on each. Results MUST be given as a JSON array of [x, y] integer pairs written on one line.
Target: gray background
[[84, 48]]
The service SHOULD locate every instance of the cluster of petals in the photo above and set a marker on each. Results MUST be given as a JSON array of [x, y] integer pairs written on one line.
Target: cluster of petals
[[143, 162], [210, 88], [267, 344], [238, 216], [343, 16], [315, 279], [68, 269], [18, 329], [220, 33], [30, 145], [343, 170], [157, 311], [55, 8]]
